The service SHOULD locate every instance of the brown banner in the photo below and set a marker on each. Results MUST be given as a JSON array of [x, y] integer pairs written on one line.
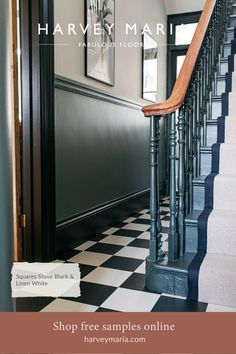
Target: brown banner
[[118, 333]]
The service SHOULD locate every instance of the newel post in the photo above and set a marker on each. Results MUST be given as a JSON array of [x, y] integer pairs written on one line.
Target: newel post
[[156, 253]]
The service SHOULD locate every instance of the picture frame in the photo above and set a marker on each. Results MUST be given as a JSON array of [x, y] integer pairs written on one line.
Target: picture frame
[[149, 68], [100, 47]]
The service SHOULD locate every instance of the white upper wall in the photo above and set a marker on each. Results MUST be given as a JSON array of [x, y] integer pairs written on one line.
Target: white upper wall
[[70, 59], [180, 6]]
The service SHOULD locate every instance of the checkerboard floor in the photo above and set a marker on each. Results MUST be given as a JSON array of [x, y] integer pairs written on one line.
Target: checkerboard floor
[[112, 268]]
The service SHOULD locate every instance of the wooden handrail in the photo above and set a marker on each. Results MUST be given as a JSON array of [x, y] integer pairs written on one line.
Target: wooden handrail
[[182, 83]]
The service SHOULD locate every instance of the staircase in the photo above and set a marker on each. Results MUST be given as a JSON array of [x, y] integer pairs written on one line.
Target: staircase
[[201, 260]]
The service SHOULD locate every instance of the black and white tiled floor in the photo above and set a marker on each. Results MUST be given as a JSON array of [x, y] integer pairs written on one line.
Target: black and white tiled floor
[[112, 268]]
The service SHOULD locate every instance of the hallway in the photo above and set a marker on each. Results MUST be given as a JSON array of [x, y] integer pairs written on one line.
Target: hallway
[[112, 269]]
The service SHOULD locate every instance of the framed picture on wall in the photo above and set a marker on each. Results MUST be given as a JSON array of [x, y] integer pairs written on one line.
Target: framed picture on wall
[[149, 91], [100, 40]]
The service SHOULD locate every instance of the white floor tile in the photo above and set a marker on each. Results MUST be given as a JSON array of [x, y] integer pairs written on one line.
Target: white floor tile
[[164, 237], [126, 300], [144, 236], [141, 269], [165, 246], [217, 308], [133, 252], [85, 246], [110, 231], [144, 211], [165, 223], [165, 208], [61, 305], [90, 258], [127, 221], [117, 240], [106, 276], [145, 217], [136, 227]]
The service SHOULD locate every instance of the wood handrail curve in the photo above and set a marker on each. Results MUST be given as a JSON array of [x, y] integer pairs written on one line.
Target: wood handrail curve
[[182, 83]]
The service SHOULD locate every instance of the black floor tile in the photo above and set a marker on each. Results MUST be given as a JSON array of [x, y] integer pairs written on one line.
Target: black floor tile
[[34, 304], [135, 282], [166, 218], [169, 304], [86, 269], [139, 243], [104, 248], [93, 294], [123, 263], [120, 225], [98, 238], [67, 255], [142, 221], [135, 215], [165, 205], [165, 230], [128, 233], [101, 309], [163, 213]]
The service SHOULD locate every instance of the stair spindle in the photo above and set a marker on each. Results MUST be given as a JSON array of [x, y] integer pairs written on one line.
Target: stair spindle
[[156, 253], [173, 236], [181, 180]]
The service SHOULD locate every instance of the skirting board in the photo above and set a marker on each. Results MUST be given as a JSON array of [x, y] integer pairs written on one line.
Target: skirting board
[[71, 232]]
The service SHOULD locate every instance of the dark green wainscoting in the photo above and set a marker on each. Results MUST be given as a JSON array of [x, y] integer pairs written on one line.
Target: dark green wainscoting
[[102, 160]]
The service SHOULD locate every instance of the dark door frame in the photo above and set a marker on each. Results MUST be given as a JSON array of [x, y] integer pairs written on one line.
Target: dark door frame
[[175, 20], [172, 52], [38, 133]]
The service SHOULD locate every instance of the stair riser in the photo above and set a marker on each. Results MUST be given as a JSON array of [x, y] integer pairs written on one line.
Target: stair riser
[[198, 197], [224, 67], [191, 238], [234, 10], [232, 21], [230, 35], [205, 163], [211, 134], [216, 109], [221, 86], [227, 50]]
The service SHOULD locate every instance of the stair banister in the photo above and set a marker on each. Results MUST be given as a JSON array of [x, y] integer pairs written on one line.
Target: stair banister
[[192, 98]]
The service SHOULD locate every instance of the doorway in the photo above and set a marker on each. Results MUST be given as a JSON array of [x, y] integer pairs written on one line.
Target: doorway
[[37, 131], [181, 29]]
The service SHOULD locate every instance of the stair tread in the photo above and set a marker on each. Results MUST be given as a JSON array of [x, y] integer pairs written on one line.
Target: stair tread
[[206, 148], [221, 77], [224, 60], [200, 179], [212, 121], [217, 280], [231, 28], [227, 176], [216, 98], [193, 216], [221, 227], [215, 261], [225, 213]]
